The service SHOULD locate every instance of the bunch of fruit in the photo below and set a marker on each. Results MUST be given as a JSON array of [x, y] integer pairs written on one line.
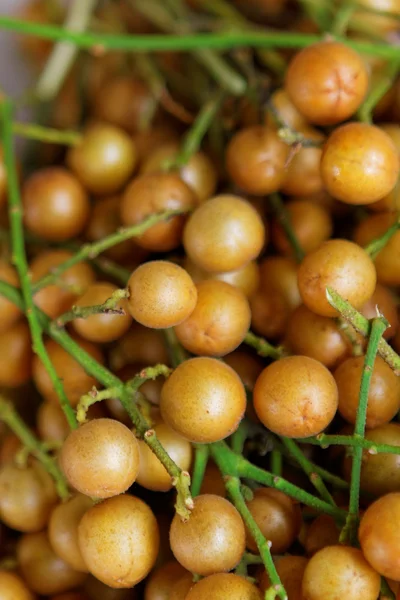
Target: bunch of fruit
[[199, 302]]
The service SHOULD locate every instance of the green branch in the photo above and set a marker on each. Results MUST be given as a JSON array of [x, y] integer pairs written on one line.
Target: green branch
[[187, 42], [110, 307], [283, 218], [10, 417], [19, 259], [378, 327], [324, 441], [381, 86], [262, 347], [49, 135], [374, 247], [91, 251], [201, 454], [362, 325]]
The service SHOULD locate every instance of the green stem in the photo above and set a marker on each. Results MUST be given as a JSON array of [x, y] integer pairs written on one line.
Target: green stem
[[177, 353], [379, 89], [19, 259], [282, 216], [309, 469], [46, 134], [319, 12], [262, 347], [193, 138], [362, 325], [91, 398], [386, 593], [63, 55], [324, 440], [239, 437], [342, 17], [201, 455], [276, 462], [232, 485], [187, 42], [379, 243], [234, 465], [110, 306], [378, 327], [10, 417], [91, 251]]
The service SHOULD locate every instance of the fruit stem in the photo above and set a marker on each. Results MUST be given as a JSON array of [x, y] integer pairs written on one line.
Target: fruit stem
[[12, 419], [363, 326], [276, 462], [201, 456], [342, 17], [64, 53], [19, 259], [379, 243], [46, 134], [386, 593], [110, 306], [176, 352], [378, 90], [193, 138], [187, 42], [91, 251], [232, 485], [378, 327], [262, 347], [282, 216], [325, 441], [309, 469]]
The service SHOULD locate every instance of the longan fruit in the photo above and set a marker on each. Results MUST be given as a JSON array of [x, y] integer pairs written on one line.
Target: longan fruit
[[341, 265], [161, 581], [100, 458], [327, 82], [16, 355], [224, 234], [290, 570], [379, 539], [44, 572], [13, 587], [212, 540], [359, 164], [296, 397], [161, 294], [219, 322], [263, 171], [340, 572], [27, 496], [222, 586], [104, 159], [203, 400], [56, 206], [119, 540]]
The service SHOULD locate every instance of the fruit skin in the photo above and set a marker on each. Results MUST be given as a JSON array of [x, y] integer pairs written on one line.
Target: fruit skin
[[340, 572], [119, 540], [327, 82], [212, 540], [222, 586], [359, 164], [379, 535], [100, 458], [203, 400], [223, 234], [341, 265], [296, 397], [161, 294], [13, 587]]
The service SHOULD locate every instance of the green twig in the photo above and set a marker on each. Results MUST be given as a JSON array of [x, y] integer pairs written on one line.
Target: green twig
[[232, 485], [91, 251], [91, 398], [362, 325], [342, 17], [325, 440], [378, 90], [46, 134], [379, 243], [110, 306], [262, 347], [201, 454], [19, 259], [378, 327], [177, 353], [63, 55], [187, 42], [239, 437], [10, 417], [309, 469], [276, 462], [386, 593], [282, 216]]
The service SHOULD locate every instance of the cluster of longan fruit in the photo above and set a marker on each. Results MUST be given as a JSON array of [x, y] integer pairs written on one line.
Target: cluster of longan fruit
[[298, 201]]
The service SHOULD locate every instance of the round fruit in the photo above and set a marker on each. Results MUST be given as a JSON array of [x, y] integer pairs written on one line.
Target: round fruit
[[13, 587], [296, 397], [222, 586], [203, 400], [161, 294], [100, 458], [212, 540]]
